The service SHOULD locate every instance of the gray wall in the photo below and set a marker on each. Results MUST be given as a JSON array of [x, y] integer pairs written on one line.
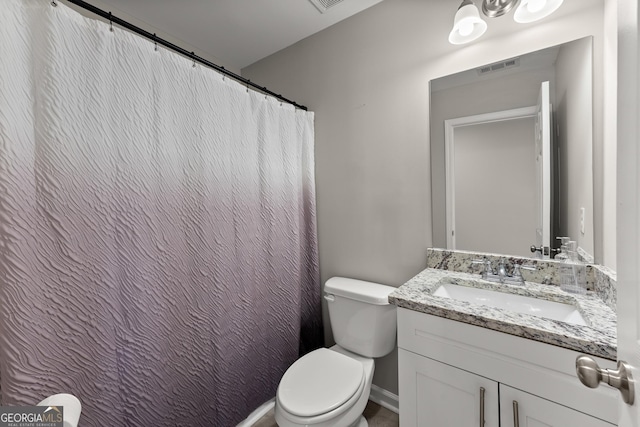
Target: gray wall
[[367, 79]]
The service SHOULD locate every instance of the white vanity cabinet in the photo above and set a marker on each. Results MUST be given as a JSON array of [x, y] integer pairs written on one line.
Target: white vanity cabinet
[[452, 373]]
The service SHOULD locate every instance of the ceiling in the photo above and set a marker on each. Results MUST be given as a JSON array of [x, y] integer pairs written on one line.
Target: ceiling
[[233, 33]]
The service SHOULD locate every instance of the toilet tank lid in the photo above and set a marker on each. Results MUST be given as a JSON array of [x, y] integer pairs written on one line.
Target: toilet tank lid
[[359, 290]]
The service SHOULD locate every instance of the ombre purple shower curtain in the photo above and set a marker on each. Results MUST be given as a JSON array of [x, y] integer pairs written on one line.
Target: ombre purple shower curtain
[[158, 252]]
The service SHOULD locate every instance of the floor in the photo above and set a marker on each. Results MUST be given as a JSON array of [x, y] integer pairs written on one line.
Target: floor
[[376, 415]]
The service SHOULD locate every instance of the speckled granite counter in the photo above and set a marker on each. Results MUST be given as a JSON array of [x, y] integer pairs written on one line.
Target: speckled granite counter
[[599, 279], [598, 338]]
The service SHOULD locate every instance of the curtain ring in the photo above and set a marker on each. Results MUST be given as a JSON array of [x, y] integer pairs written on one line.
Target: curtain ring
[[155, 42], [53, 3], [110, 23], [193, 56]]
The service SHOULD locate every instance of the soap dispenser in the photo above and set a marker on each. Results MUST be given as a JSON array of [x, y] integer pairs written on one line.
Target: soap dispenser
[[573, 273], [562, 254]]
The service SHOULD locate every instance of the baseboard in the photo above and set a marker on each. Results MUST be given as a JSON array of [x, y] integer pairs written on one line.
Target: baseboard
[[260, 412], [384, 398]]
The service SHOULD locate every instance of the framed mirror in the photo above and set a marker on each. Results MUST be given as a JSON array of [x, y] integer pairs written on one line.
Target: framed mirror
[[511, 153]]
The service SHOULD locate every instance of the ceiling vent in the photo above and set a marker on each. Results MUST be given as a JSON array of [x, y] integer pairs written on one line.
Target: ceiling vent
[[323, 5], [498, 66]]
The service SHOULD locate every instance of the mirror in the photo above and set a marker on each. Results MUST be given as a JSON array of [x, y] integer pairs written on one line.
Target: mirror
[[494, 187]]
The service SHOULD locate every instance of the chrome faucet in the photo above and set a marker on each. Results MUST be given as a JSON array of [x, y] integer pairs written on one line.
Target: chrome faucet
[[501, 275], [502, 271], [487, 270], [517, 272]]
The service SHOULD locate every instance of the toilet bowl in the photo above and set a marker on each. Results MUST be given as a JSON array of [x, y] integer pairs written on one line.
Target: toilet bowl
[[330, 387]]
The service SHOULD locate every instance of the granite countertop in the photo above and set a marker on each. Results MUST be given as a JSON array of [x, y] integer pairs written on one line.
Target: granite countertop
[[598, 338]]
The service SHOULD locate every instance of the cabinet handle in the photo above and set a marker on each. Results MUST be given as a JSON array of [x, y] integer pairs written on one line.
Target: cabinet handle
[[516, 416], [482, 406]]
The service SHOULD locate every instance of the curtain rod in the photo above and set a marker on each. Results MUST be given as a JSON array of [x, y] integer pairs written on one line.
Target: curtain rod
[[191, 55]]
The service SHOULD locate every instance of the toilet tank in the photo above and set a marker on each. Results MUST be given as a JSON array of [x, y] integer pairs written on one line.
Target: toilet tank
[[362, 319]]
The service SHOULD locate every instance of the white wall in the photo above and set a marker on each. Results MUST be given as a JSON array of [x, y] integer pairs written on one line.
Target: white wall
[[495, 187], [573, 108], [367, 79]]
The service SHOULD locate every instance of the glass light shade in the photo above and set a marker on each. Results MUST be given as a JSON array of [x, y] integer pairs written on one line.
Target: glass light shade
[[467, 25], [534, 10]]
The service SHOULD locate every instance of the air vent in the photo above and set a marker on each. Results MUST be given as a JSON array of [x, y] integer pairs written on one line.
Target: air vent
[[323, 5], [498, 66]]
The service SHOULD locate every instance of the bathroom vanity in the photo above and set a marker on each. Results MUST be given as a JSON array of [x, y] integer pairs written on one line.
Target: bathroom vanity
[[463, 363]]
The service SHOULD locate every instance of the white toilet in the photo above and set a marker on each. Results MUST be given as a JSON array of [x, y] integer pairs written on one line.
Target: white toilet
[[330, 387]]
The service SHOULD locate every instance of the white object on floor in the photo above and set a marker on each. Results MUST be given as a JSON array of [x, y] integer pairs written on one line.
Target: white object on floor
[[71, 404]]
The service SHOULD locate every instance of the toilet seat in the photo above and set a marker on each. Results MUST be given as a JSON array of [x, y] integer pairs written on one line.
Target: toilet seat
[[320, 382]]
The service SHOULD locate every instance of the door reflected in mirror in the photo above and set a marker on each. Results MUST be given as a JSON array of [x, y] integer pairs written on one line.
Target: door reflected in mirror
[[497, 185]]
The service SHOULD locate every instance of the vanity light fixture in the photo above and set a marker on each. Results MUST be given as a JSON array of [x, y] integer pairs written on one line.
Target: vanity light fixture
[[496, 8], [533, 10], [468, 26]]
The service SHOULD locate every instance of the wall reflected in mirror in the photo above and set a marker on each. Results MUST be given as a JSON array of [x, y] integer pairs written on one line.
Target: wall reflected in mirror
[[485, 173]]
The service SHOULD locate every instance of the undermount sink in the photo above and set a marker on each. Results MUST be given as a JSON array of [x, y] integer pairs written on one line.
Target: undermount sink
[[512, 302]]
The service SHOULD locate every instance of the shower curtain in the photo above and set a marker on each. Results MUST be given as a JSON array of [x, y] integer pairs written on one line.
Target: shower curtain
[[158, 253]]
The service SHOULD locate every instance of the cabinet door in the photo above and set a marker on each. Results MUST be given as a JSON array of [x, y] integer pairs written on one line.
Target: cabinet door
[[433, 394], [533, 411]]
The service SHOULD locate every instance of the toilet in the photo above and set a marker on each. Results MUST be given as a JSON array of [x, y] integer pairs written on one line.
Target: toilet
[[330, 387]]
